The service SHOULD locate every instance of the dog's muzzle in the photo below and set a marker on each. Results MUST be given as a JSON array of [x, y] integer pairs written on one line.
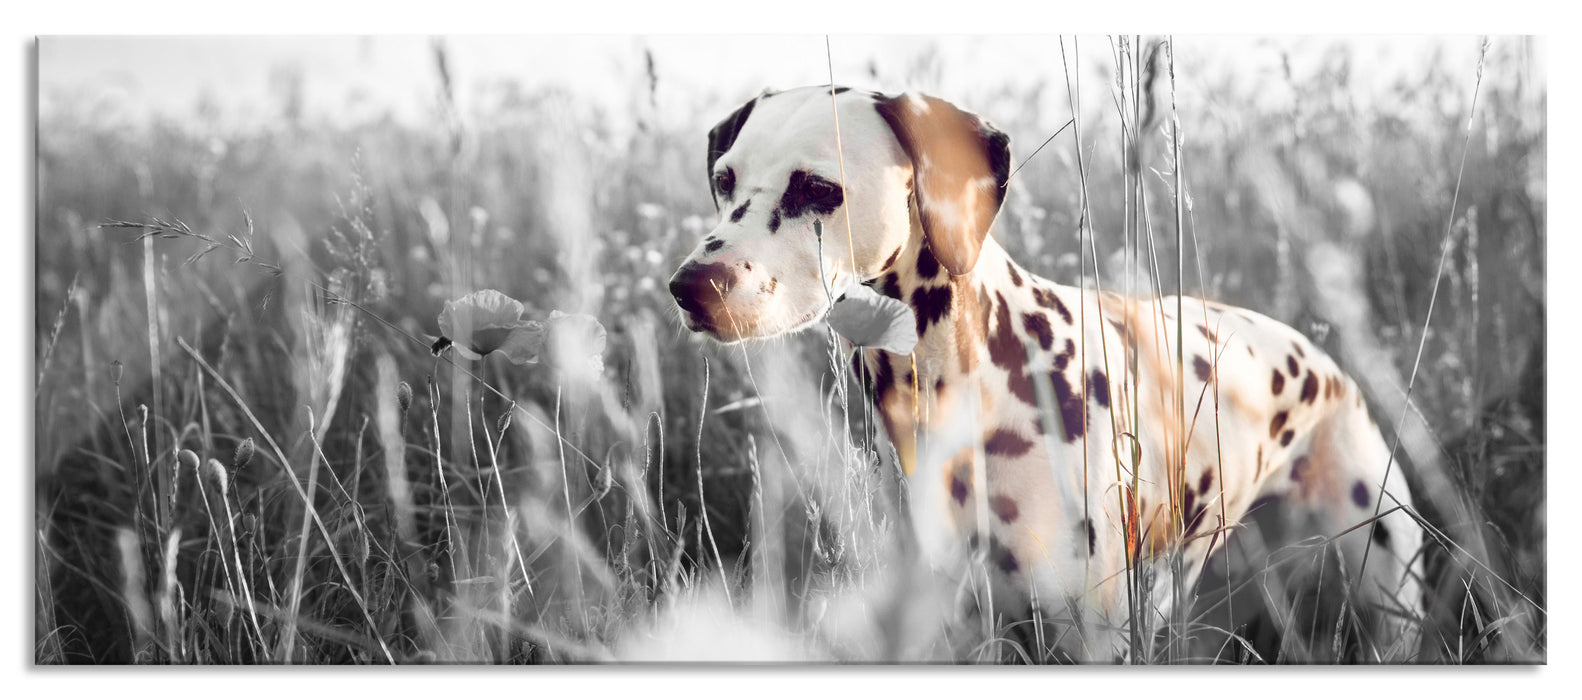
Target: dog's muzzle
[[700, 291]]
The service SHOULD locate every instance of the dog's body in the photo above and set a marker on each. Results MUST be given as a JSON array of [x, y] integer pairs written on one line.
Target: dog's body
[[1026, 406]]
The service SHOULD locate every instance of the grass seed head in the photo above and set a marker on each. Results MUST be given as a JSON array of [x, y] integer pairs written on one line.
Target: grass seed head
[[244, 454], [218, 475]]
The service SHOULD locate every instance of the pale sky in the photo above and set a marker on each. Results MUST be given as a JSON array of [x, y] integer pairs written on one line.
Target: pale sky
[[347, 78]]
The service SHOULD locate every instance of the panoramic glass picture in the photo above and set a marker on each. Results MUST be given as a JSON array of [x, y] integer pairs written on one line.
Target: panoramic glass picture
[[1119, 350]]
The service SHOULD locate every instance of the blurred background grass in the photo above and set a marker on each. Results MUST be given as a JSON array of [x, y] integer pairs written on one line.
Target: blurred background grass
[[1320, 174]]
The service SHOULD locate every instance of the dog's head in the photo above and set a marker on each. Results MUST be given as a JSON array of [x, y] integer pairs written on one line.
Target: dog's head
[[917, 171]]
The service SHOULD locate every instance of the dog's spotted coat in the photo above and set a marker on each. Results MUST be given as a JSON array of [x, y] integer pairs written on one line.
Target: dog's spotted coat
[[1021, 412]]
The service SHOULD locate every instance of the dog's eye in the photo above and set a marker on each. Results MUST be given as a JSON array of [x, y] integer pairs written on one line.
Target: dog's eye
[[819, 189], [723, 182]]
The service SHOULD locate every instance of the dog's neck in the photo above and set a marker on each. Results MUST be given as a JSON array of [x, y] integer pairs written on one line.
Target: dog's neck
[[940, 379]]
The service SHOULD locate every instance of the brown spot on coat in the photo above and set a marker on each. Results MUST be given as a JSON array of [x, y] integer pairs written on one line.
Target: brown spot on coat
[[960, 469], [1290, 364], [1381, 535], [890, 261], [1359, 494], [1099, 387], [1016, 277], [1194, 513], [1004, 508], [1278, 423], [890, 285], [1064, 358], [931, 305], [1049, 300], [1021, 386], [1006, 443], [1285, 437], [1299, 468], [927, 264], [959, 489], [1038, 325], [1309, 388], [883, 379], [1277, 384], [1005, 348], [1007, 351], [1003, 556], [1202, 368], [1073, 410]]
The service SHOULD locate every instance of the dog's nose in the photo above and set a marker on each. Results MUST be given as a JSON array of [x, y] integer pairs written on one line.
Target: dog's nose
[[700, 288]]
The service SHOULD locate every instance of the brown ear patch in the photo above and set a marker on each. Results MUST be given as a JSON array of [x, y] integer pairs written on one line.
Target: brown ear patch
[[960, 165]]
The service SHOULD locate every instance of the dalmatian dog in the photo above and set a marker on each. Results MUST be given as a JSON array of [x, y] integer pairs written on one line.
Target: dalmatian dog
[[1044, 430]]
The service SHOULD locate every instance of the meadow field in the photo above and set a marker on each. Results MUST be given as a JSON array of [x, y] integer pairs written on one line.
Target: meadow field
[[247, 451]]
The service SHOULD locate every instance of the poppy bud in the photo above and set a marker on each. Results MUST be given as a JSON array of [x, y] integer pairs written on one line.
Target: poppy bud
[[189, 460], [404, 396], [606, 478]]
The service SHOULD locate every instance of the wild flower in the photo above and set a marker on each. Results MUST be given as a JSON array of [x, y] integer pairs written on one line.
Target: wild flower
[[867, 319], [579, 342], [487, 322]]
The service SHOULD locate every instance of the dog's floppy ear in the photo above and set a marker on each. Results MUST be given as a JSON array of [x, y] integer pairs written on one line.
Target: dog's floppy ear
[[723, 136], [960, 164]]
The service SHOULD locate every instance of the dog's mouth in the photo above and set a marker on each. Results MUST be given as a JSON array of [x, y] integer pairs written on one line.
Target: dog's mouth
[[725, 331], [697, 323]]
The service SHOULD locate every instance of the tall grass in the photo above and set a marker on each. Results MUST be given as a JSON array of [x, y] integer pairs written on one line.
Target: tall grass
[[696, 501]]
